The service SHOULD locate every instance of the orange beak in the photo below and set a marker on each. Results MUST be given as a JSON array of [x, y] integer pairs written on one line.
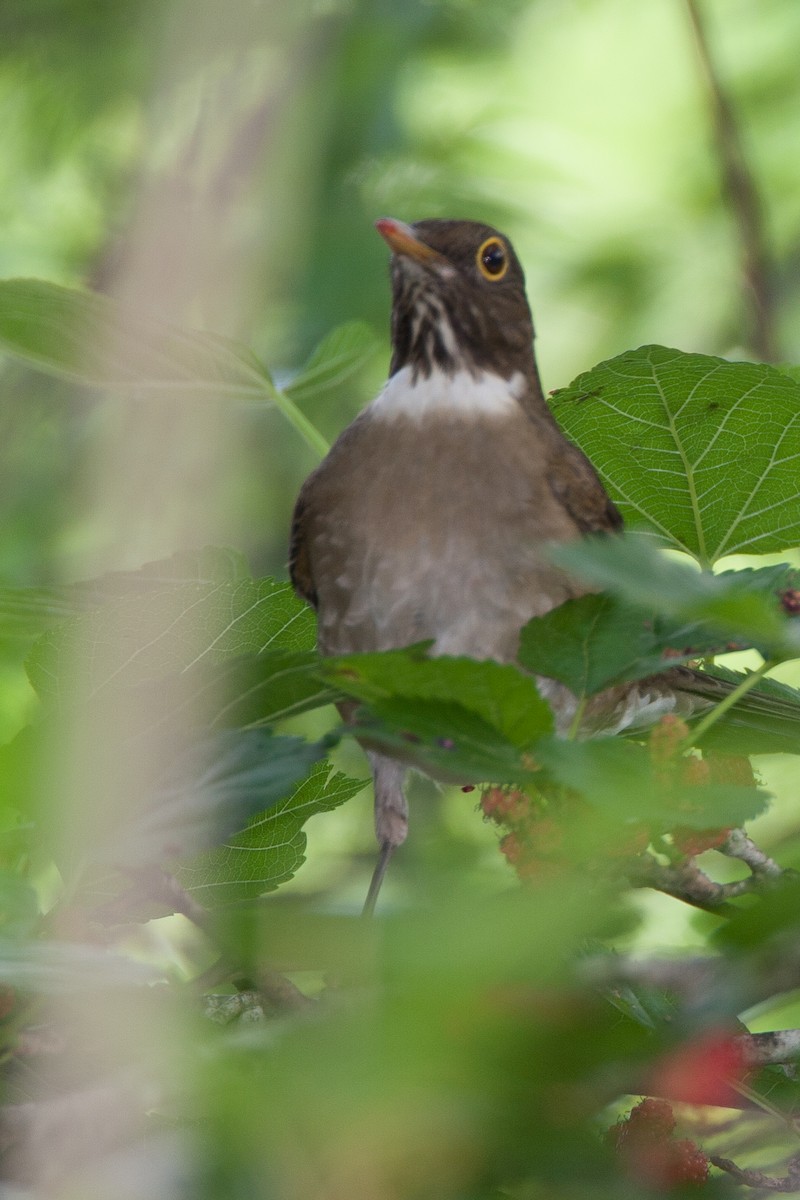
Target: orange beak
[[401, 239]]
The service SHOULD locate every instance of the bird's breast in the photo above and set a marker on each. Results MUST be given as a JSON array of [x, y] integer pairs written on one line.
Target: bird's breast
[[430, 522]]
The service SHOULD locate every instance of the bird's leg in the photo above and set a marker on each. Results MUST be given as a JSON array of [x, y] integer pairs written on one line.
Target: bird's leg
[[391, 818]]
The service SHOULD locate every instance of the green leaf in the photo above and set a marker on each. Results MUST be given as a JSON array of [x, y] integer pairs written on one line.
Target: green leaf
[[19, 907], [597, 640], [272, 847], [96, 341], [247, 690], [504, 697], [28, 612], [704, 452], [143, 637], [777, 912], [338, 356], [740, 603], [618, 777], [443, 739], [209, 792]]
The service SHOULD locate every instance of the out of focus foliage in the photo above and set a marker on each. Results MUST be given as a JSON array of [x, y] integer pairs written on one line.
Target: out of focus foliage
[[188, 190]]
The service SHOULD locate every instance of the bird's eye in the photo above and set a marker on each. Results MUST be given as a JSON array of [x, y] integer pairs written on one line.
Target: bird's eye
[[492, 259]]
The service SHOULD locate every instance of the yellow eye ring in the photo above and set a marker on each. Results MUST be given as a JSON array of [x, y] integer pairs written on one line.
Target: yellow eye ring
[[492, 259]]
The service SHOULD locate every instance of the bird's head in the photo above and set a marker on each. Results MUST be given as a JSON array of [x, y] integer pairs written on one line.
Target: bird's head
[[459, 301]]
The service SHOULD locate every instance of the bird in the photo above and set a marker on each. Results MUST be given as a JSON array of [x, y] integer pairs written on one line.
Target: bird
[[432, 516]]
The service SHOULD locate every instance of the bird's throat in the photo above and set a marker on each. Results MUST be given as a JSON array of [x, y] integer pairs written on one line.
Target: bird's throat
[[459, 394]]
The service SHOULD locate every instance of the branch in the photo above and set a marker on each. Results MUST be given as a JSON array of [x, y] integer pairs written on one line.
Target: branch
[[685, 881], [741, 192], [779, 1046], [757, 1179]]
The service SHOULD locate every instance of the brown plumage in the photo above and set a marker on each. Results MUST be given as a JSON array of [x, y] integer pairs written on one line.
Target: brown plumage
[[430, 516]]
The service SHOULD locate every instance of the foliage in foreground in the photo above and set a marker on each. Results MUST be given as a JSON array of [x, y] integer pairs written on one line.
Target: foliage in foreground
[[486, 1039]]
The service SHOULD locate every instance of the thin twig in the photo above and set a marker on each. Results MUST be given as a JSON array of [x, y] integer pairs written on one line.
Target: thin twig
[[739, 845], [742, 194]]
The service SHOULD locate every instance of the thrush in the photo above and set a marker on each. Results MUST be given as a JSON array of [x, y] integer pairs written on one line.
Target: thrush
[[432, 515]]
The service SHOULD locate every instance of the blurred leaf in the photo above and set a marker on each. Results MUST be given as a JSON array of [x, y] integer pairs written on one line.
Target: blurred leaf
[[27, 612], [84, 336], [141, 637], [261, 687], [777, 912], [741, 603], [19, 907], [210, 791], [338, 356], [704, 452], [597, 640], [618, 777], [272, 847], [502, 695]]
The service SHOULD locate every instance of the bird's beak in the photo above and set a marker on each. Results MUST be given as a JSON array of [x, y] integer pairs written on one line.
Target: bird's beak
[[402, 240]]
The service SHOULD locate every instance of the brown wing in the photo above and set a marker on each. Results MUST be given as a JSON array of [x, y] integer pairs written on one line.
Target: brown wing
[[575, 483], [299, 559]]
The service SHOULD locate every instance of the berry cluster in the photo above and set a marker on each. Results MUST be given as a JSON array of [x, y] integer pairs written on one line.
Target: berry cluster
[[534, 839], [649, 1152], [677, 772]]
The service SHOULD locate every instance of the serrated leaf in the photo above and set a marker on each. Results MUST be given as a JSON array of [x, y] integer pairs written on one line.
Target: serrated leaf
[[247, 690], [504, 697], [596, 641], [89, 338], [139, 638], [272, 847], [340, 354], [618, 777], [442, 738], [741, 603], [704, 452], [210, 791]]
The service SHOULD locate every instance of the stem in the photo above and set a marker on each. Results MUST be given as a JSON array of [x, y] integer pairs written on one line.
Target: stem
[[732, 698], [575, 723], [741, 192], [298, 420]]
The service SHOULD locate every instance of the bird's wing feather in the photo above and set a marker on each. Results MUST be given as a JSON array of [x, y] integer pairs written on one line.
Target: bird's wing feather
[[300, 571], [575, 483]]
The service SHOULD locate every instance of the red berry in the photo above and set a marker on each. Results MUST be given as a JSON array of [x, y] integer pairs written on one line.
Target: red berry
[[703, 1070], [692, 842]]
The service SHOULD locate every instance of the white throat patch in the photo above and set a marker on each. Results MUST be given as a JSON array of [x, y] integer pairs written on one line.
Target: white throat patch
[[460, 394]]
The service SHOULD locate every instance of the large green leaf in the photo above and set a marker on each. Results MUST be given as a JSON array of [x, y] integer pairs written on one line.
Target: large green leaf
[[272, 847], [597, 640], [704, 452], [28, 612], [740, 603], [502, 696], [618, 777], [144, 637]]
